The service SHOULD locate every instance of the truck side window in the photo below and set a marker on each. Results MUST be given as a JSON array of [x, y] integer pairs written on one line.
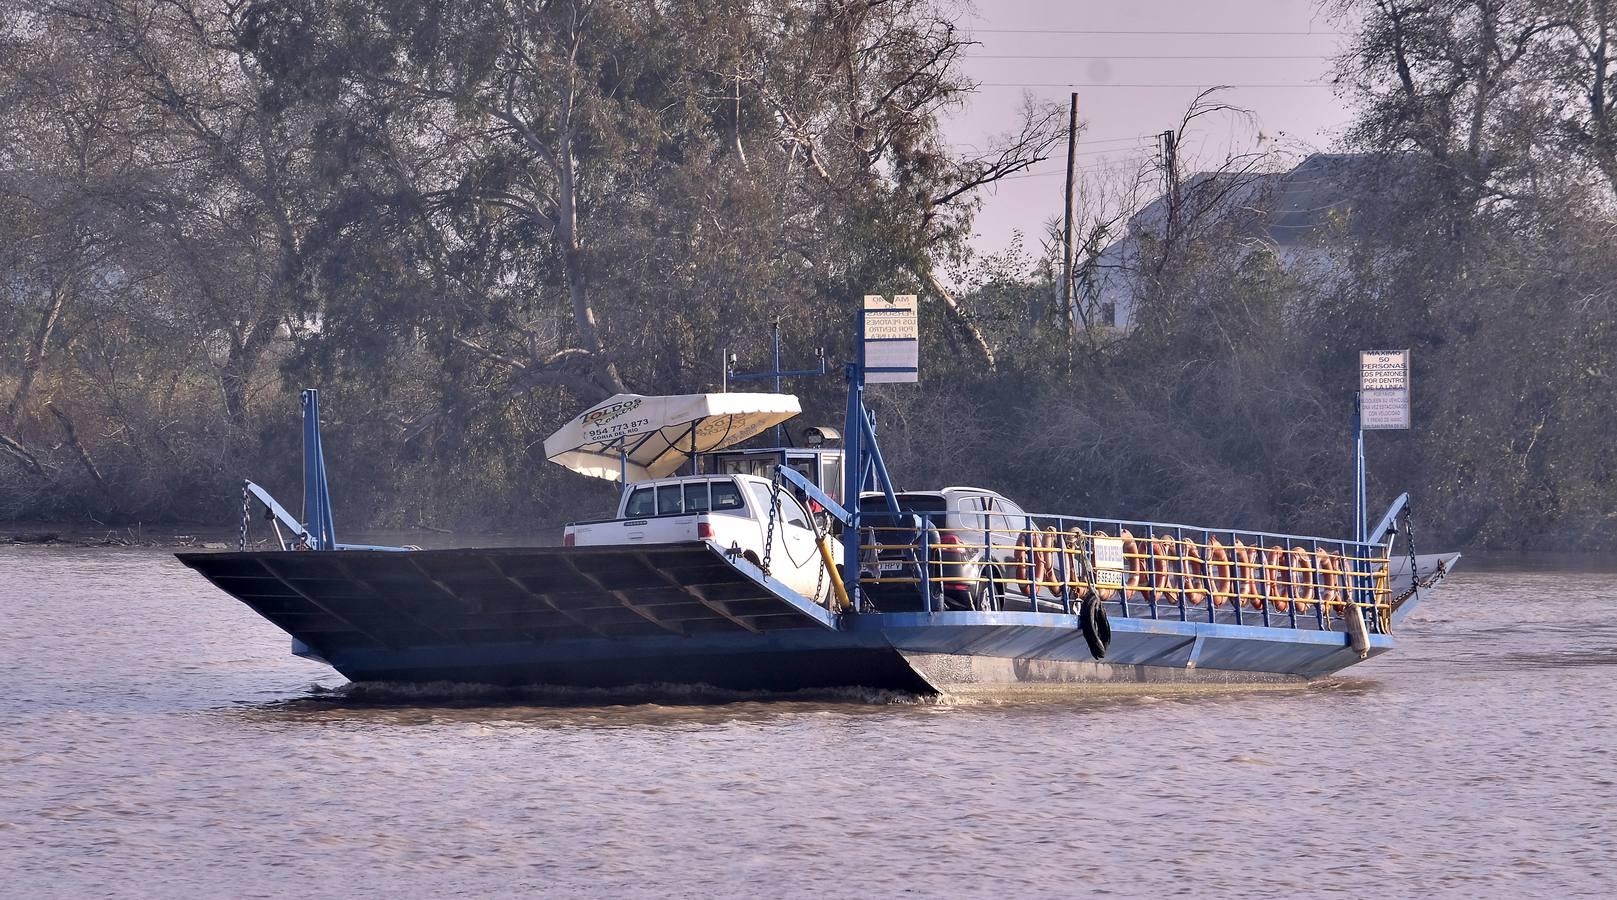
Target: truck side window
[[760, 495], [696, 497], [792, 512], [668, 499], [726, 496], [642, 503]]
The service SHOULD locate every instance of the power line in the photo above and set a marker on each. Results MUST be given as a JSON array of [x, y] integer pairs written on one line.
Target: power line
[[1184, 33], [1104, 84], [1115, 56], [1141, 145], [1119, 140], [1140, 163]]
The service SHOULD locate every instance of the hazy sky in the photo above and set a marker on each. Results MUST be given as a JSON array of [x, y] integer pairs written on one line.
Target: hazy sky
[[1122, 113]]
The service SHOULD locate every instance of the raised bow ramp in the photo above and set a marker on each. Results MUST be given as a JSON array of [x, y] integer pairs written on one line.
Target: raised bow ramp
[[595, 617]]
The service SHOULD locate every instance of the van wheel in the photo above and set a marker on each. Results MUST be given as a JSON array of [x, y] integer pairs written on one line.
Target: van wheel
[[982, 598]]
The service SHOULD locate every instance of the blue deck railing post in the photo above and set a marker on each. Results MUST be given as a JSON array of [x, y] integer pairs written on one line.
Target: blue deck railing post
[[1235, 580], [1179, 554], [1291, 583], [1321, 614], [1151, 570], [926, 560], [1207, 579], [1063, 545]]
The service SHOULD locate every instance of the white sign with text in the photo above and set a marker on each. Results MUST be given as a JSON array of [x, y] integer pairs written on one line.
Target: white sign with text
[[1383, 389]]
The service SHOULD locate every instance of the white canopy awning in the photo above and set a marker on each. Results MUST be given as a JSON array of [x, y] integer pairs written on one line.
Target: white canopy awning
[[651, 437]]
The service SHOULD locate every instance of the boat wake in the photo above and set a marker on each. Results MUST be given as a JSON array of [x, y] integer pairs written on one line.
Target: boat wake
[[452, 695]]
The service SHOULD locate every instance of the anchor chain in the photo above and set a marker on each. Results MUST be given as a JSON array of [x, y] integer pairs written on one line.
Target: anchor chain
[[246, 515], [1409, 539], [819, 577], [774, 512], [1084, 565]]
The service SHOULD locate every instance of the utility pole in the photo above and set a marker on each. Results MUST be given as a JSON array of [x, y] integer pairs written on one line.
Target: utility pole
[[1066, 235], [1170, 177]]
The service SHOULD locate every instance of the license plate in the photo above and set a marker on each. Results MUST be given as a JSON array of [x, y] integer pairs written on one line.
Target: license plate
[[891, 567]]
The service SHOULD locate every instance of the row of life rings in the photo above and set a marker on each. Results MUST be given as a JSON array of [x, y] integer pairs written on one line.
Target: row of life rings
[[1044, 558], [1164, 569]]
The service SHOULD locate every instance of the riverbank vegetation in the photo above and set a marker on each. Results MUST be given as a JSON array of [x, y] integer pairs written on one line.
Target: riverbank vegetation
[[466, 221]]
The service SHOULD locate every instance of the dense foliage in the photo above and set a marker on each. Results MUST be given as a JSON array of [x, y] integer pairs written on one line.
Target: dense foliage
[[465, 219]]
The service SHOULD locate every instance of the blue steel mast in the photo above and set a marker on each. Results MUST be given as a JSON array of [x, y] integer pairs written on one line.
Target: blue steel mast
[[775, 372], [317, 516]]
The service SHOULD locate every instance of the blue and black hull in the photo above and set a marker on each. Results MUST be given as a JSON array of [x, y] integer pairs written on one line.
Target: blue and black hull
[[688, 614]]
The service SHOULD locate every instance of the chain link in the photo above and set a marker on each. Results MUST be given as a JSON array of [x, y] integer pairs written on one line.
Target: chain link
[[1409, 538], [246, 515], [819, 578], [774, 511]]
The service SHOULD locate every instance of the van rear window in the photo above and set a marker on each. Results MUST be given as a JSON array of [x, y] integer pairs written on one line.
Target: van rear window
[[906, 502]]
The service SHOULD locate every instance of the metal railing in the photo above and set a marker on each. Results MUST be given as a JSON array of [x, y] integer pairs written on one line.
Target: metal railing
[[1188, 573]]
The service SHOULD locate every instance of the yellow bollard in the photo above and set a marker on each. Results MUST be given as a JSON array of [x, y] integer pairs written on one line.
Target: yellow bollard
[[837, 586]]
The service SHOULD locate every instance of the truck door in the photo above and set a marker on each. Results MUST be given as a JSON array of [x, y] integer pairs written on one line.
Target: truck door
[[793, 557], [798, 533]]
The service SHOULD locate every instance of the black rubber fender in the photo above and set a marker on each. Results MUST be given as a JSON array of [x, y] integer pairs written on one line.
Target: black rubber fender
[[1096, 626]]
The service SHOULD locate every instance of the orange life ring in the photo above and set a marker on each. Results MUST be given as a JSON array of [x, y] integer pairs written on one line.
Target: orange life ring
[[1022, 560], [1334, 594], [1219, 571], [1052, 559], [1164, 552], [1194, 568], [1303, 588], [1248, 578], [1133, 563], [1038, 545], [1276, 579]]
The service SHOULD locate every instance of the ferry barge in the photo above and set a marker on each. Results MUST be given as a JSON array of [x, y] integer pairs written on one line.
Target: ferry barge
[[979, 596]]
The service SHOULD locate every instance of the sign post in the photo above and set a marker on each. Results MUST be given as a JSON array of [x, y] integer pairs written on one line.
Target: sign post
[[889, 353], [1381, 404]]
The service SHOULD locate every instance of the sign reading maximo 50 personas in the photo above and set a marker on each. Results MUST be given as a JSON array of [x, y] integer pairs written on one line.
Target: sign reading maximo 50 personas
[[892, 339], [1383, 389]]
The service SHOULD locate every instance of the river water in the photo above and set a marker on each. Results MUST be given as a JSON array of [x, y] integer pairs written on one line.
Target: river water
[[156, 739]]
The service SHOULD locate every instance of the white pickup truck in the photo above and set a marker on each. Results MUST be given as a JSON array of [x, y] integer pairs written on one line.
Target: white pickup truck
[[730, 511]]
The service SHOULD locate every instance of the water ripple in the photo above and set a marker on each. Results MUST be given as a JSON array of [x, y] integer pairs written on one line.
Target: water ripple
[[156, 739]]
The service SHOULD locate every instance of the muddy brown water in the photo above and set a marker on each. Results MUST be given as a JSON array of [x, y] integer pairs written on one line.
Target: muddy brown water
[[156, 739]]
